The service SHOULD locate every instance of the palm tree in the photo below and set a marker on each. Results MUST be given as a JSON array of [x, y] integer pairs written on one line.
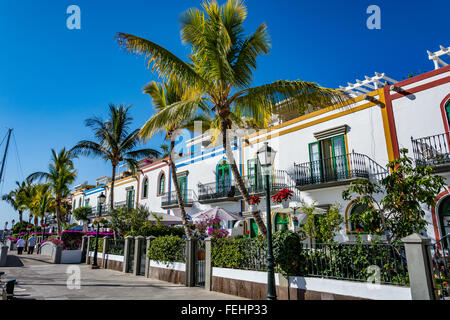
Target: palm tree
[[114, 142], [17, 199], [221, 67], [163, 96], [41, 202], [61, 174]]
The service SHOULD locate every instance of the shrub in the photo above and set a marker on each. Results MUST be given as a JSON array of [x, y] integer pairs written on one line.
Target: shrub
[[251, 253], [167, 249], [158, 231], [72, 239], [82, 213]]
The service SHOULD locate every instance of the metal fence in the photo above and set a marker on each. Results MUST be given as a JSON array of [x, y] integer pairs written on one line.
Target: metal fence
[[441, 267], [116, 247], [379, 263]]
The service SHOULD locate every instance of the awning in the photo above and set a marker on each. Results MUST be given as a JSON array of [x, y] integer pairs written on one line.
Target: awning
[[167, 219]]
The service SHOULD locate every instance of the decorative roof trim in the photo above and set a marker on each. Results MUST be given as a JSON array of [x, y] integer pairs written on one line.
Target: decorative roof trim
[[331, 132]]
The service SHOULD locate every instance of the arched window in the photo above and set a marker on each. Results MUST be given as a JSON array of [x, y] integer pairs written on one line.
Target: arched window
[[357, 209], [145, 188], [161, 184]]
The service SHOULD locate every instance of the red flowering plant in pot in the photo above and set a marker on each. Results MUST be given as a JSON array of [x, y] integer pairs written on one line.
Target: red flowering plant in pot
[[254, 201], [283, 195]]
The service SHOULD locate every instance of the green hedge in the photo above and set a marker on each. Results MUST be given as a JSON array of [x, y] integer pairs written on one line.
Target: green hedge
[[167, 249], [158, 231], [100, 244]]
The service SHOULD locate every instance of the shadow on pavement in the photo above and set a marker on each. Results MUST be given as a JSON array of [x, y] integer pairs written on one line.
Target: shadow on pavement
[[13, 261]]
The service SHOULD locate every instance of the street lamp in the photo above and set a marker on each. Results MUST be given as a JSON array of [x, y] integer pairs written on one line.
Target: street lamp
[[101, 200], [266, 156]]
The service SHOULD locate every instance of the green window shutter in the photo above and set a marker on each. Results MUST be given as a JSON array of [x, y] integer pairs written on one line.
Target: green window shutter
[[162, 182], [145, 189], [315, 158], [254, 175], [339, 157]]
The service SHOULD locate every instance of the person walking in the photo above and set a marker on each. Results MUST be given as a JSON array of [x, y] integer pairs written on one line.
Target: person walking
[[20, 245], [31, 244]]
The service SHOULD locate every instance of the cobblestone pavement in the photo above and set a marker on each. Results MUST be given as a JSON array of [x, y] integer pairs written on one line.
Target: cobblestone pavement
[[37, 278]]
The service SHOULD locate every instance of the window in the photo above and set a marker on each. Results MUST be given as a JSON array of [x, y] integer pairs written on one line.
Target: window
[[130, 198], [223, 177], [357, 210], [255, 178], [182, 183], [145, 188], [328, 158], [86, 202], [79, 202], [161, 184]]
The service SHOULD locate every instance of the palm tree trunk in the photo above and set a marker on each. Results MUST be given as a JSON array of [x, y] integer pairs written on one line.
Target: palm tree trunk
[[180, 199], [20, 216], [237, 176], [113, 179], [58, 215], [36, 222]]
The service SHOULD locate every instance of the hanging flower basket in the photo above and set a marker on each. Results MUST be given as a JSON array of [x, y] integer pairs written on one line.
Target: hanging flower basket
[[283, 195]]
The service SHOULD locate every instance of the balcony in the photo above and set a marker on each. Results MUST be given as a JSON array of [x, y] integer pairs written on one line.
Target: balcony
[[335, 171], [170, 199], [213, 192], [433, 151]]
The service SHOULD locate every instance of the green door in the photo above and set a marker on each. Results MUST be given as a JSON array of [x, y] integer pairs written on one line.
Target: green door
[[339, 157], [182, 184], [447, 108], [130, 199], [253, 175], [281, 222], [254, 230], [444, 218], [223, 182]]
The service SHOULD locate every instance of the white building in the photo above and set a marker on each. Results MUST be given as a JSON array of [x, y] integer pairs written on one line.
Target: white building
[[318, 154]]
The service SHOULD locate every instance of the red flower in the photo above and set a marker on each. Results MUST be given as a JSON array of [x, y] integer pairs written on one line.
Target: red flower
[[283, 195], [254, 200]]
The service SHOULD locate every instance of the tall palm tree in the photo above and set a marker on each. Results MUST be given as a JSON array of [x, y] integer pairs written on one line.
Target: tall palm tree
[[163, 96], [61, 174], [221, 67], [17, 199], [114, 142], [41, 202]]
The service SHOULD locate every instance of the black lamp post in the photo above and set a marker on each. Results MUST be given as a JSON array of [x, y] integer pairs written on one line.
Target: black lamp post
[[101, 200], [266, 156]]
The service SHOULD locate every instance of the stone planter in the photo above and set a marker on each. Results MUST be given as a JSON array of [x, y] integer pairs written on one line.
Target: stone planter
[[71, 256]]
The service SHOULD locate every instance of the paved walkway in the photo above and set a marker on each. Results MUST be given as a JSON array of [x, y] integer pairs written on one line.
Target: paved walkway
[[39, 279]]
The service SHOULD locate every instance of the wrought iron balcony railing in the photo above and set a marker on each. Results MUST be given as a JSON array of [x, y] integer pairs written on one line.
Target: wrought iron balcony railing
[[432, 150], [339, 168], [216, 191], [170, 199]]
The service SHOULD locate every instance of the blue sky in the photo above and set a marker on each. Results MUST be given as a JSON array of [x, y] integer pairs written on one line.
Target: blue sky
[[53, 78]]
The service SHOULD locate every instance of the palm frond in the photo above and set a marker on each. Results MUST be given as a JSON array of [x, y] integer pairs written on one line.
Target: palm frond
[[162, 60], [297, 95]]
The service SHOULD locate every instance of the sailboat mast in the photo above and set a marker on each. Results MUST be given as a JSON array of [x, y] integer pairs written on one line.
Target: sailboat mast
[[4, 155]]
